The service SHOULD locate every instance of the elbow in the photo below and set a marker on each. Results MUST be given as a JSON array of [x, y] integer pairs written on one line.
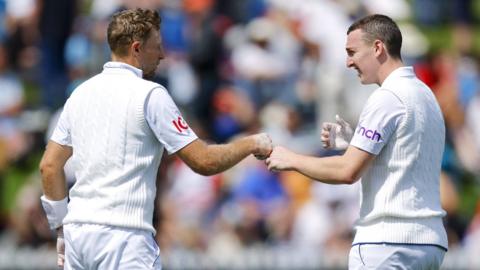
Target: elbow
[[349, 180], [45, 167], [203, 168], [207, 172], [205, 161], [49, 167], [350, 177], [203, 171]]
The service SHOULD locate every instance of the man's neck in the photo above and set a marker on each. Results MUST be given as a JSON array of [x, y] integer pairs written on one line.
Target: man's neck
[[127, 60], [387, 68]]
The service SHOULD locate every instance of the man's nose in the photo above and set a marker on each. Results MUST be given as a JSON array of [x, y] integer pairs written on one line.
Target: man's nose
[[161, 55], [349, 62]]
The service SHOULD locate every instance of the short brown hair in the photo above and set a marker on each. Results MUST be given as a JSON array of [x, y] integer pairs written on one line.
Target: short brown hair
[[383, 28], [131, 25]]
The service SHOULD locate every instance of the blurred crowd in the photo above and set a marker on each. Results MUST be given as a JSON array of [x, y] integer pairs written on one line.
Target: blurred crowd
[[235, 67]]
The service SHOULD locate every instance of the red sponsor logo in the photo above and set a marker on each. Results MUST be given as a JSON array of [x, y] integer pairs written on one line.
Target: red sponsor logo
[[179, 124]]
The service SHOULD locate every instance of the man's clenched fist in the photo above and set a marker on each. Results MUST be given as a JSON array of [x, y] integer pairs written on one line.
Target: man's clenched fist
[[263, 146]]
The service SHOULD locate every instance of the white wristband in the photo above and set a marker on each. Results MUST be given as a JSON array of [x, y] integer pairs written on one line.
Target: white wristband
[[55, 211]]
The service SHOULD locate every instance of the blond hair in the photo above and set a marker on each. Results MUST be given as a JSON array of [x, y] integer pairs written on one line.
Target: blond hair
[[131, 25]]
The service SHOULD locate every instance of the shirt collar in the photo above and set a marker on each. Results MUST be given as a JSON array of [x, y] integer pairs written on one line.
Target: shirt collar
[[121, 67], [399, 72]]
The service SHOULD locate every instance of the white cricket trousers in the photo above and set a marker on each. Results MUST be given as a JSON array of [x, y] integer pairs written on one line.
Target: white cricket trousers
[[395, 256], [92, 246]]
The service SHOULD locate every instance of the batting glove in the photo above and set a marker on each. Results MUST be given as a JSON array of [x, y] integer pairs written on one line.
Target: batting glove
[[336, 136]]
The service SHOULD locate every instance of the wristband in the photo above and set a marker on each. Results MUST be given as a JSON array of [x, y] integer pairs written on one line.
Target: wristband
[[55, 211]]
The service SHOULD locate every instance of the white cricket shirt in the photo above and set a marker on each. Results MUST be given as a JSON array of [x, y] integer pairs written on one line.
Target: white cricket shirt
[[400, 200], [118, 125]]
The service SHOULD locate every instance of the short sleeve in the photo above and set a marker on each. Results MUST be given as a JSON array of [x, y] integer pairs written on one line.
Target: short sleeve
[[378, 121], [61, 134], [166, 121]]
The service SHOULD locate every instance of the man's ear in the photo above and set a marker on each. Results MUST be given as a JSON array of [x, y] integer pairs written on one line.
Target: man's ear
[[379, 47], [135, 47]]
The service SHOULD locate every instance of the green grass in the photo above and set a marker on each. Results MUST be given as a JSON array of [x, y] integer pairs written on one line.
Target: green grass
[[14, 178], [441, 38], [469, 194]]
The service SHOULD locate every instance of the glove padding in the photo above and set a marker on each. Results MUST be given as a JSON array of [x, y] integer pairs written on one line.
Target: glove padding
[[60, 248], [336, 136]]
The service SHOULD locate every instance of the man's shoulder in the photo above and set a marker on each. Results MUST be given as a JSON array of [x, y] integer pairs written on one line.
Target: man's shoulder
[[404, 87], [385, 93], [87, 83], [138, 84], [148, 85]]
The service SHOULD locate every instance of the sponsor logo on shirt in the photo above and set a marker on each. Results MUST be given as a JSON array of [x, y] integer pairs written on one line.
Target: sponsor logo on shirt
[[369, 133], [180, 124]]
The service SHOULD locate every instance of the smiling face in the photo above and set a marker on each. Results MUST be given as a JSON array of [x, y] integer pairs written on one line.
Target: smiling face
[[362, 57], [150, 53]]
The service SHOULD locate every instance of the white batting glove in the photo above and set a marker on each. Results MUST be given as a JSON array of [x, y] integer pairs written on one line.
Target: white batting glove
[[60, 248], [336, 136]]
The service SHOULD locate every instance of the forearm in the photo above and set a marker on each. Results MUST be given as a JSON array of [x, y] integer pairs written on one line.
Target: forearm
[[330, 170], [51, 170], [344, 169], [212, 159], [220, 157], [54, 200], [54, 184]]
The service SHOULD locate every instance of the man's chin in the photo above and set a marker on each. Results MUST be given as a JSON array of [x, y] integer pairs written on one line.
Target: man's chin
[[362, 79], [149, 76]]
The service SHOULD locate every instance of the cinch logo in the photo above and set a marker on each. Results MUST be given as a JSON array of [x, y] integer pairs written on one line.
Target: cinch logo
[[371, 134], [179, 124]]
